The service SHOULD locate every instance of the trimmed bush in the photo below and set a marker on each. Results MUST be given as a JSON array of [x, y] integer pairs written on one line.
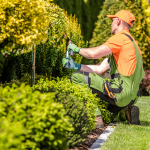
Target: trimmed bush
[[79, 117], [49, 54], [80, 105], [43, 120], [102, 31], [12, 135], [23, 23], [26, 79]]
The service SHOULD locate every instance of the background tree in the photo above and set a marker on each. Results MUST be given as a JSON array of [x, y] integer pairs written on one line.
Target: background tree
[[85, 10], [146, 7]]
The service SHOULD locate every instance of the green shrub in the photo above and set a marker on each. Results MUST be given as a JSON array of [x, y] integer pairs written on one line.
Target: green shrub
[[48, 61], [79, 117], [23, 23], [80, 101], [44, 120], [11, 135], [102, 31], [26, 79]]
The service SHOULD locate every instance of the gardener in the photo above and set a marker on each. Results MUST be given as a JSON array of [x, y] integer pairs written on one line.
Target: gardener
[[126, 69]]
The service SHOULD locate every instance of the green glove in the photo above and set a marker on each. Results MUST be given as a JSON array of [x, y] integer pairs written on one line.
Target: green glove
[[72, 64], [74, 48]]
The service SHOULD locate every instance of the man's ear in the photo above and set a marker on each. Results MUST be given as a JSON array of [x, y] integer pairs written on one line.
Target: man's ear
[[119, 22]]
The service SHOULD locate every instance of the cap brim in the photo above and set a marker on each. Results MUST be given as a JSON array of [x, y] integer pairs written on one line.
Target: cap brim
[[111, 16]]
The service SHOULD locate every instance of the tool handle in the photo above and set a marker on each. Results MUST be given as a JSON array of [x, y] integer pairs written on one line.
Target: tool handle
[[67, 54], [71, 51], [67, 64]]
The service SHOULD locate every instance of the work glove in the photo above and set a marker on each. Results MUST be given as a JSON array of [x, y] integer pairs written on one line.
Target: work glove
[[72, 64], [72, 48]]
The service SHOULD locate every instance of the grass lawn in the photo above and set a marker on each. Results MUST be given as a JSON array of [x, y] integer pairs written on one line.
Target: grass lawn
[[132, 137]]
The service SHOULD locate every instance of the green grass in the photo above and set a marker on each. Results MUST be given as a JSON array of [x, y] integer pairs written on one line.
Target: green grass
[[132, 137]]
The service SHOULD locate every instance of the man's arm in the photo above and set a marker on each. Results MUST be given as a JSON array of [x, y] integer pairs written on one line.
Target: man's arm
[[99, 69], [95, 52], [90, 53]]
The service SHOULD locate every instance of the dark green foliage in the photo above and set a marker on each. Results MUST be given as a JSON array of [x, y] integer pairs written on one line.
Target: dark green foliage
[[80, 105], [1, 63], [43, 121], [14, 67], [102, 32], [85, 10], [26, 79]]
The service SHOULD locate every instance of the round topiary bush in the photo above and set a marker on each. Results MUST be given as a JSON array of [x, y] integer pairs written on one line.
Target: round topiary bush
[[49, 54]]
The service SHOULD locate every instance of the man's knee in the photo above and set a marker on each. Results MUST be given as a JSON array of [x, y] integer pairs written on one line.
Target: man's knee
[[77, 77]]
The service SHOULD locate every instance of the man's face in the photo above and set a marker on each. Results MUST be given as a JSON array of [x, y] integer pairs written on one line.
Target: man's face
[[114, 26]]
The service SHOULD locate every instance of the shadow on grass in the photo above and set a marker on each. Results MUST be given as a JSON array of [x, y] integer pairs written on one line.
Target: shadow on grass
[[145, 123]]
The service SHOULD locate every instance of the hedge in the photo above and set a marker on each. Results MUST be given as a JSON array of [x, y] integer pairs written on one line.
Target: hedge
[[80, 108], [49, 54], [12, 135], [23, 24], [43, 121]]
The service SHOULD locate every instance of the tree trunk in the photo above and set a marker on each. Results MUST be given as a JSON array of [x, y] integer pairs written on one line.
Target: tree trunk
[[33, 65]]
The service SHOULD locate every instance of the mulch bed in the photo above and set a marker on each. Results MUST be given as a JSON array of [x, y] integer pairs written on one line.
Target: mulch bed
[[92, 137]]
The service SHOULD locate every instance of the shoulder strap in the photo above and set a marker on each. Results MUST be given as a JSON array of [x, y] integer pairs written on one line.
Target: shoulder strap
[[128, 36]]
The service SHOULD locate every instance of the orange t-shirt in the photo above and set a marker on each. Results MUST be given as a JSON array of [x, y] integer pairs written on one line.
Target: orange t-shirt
[[123, 51]]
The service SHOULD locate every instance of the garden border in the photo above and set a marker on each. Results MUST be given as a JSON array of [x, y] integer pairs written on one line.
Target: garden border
[[103, 137]]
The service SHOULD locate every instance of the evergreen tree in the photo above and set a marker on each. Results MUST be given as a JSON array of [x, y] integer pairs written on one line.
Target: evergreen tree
[[85, 10]]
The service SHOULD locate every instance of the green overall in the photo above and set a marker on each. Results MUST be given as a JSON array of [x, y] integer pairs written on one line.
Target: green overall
[[123, 89]]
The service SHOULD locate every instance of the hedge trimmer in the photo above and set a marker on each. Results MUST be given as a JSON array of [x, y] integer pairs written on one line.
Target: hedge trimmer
[[68, 41]]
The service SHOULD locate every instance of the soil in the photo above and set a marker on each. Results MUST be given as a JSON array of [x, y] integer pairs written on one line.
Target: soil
[[92, 137]]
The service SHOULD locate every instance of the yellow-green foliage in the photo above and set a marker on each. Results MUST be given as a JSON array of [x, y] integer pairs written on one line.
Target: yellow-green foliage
[[139, 30], [43, 121], [50, 53], [62, 26], [80, 105], [64, 85], [146, 8], [23, 22], [11, 135]]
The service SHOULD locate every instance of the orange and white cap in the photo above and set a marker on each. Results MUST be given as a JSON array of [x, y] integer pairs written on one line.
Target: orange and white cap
[[124, 15]]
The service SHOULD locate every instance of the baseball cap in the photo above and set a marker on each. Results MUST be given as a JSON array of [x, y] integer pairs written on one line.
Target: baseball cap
[[124, 15]]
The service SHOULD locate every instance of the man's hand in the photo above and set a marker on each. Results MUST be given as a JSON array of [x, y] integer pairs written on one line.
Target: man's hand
[[72, 64], [74, 48]]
